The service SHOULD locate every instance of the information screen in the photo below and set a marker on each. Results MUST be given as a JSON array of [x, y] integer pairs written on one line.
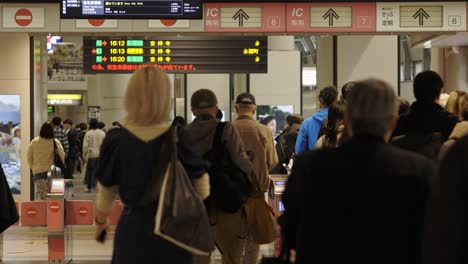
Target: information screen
[[128, 9], [176, 55]]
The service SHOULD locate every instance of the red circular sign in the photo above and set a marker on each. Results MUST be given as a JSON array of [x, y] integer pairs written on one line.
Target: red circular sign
[[23, 17], [83, 211], [96, 22], [54, 207], [31, 212], [168, 22]]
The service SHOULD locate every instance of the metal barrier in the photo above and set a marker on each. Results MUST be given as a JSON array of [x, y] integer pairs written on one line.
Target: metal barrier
[[274, 200], [59, 216]]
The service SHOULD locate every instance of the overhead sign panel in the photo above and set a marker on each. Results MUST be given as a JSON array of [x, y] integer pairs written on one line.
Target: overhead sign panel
[[331, 17], [19, 17], [128, 9], [244, 17], [339, 16], [421, 16], [176, 55]]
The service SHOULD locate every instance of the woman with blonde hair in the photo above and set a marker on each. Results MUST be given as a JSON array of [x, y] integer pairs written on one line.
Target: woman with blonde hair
[[133, 157], [453, 103], [461, 128]]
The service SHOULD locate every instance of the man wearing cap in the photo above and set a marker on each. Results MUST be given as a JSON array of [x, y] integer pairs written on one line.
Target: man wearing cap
[[258, 140], [228, 228]]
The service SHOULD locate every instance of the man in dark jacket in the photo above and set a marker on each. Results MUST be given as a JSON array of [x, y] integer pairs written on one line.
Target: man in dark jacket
[[286, 142], [228, 228], [8, 212], [70, 160], [364, 201], [427, 125], [446, 232]]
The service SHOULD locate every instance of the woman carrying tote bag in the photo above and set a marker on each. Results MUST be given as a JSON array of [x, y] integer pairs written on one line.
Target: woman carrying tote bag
[[136, 162], [43, 152]]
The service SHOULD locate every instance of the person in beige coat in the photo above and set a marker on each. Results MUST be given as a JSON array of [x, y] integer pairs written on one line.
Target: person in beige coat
[[41, 158], [258, 140], [460, 130]]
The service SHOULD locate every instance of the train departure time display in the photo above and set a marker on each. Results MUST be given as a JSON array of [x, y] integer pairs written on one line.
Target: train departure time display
[[176, 55], [132, 9]]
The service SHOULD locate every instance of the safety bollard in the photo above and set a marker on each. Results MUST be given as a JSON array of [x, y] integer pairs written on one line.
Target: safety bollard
[[58, 236]]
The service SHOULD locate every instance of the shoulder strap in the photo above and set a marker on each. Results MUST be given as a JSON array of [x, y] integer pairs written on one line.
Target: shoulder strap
[[55, 146], [219, 133]]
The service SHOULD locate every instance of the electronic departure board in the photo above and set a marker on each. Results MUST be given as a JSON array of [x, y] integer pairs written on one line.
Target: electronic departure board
[[176, 55], [132, 9]]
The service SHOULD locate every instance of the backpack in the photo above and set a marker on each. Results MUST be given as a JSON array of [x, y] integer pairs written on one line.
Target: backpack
[[230, 186]]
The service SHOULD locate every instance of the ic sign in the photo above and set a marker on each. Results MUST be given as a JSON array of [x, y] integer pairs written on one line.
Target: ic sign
[[331, 17], [244, 17]]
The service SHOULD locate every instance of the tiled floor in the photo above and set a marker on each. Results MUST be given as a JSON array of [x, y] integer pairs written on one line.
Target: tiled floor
[[29, 244]]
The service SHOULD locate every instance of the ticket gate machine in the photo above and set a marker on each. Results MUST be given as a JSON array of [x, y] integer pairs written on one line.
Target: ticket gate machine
[[59, 236], [274, 200]]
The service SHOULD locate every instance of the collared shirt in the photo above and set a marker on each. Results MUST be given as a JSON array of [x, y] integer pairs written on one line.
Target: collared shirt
[[59, 133], [308, 134], [258, 139]]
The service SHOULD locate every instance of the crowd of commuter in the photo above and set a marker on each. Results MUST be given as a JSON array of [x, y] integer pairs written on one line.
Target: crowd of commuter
[[374, 178]]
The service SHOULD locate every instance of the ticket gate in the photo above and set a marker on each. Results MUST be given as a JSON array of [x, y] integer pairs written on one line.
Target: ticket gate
[[59, 235], [274, 200]]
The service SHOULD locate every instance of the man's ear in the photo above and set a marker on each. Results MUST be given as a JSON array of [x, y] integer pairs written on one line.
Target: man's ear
[[392, 127]]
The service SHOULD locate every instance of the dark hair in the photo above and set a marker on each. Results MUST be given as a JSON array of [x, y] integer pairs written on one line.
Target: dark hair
[[47, 131], [56, 121], [93, 123], [266, 120], [83, 126], [335, 120], [403, 105], [101, 125], [219, 114], [346, 88], [294, 119], [179, 121], [117, 124], [328, 95], [427, 86], [68, 121]]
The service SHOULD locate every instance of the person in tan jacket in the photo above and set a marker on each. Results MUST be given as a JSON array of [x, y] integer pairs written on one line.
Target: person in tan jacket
[[41, 158], [258, 140], [228, 227], [461, 128]]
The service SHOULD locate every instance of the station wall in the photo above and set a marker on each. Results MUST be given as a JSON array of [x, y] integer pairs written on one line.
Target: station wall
[[367, 56], [15, 80]]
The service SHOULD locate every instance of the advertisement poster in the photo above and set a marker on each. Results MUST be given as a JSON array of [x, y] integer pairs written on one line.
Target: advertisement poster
[[94, 112], [10, 140], [274, 116]]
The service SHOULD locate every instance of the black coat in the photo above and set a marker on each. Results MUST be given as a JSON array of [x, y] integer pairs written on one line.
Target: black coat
[[73, 143], [426, 118], [8, 212], [360, 203], [446, 232], [285, 147]]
